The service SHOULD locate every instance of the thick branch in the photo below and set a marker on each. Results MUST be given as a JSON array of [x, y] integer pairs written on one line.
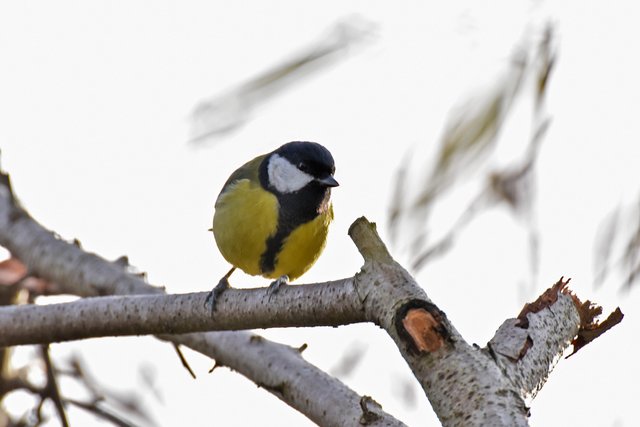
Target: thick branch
[[527, 348], [288, 377], [464, 385], [323, 304], [80, 273], [469, 386]]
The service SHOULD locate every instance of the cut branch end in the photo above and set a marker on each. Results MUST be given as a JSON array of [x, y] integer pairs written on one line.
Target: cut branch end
[[547, 299], [366, 238], [590, 328]]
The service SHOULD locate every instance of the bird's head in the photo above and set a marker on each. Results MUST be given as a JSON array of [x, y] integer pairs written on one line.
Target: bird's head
[[300, 164]]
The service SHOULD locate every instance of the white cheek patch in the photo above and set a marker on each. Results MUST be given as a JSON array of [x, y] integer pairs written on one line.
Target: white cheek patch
[[285, 177]]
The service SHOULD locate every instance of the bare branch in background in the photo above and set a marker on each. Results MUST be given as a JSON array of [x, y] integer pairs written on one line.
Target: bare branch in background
[[398, 195], [228, 111], [148, 378], [405, 389], [469, 138], [468, 142], [603, 245], [105, 404], [547, 59], [631, 255], [96, 409], [51, 387], [349, 361], [101, 399], [617, 246]]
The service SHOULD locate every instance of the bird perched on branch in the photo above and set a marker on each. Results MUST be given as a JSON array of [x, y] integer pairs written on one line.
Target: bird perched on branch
[[273, 213]]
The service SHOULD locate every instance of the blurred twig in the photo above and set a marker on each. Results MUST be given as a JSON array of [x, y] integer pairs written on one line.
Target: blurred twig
[[467, 142], [51, 388], [405, 389], [19, 286], [129, 403], [226, 112], [471, 135], [350, 359], [617, 246], [468, 139], [97, 403], [96, 409]]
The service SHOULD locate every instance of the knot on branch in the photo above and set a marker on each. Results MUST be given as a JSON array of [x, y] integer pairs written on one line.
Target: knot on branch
[[369, 416], [422, 326]]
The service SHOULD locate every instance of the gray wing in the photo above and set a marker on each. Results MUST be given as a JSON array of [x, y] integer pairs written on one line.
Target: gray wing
[[250, 171]]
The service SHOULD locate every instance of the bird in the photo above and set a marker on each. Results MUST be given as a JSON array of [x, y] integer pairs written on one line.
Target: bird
[[272, 215]]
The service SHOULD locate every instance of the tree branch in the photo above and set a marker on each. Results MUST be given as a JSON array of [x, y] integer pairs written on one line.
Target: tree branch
[[463, 384], [84, 274], [322, 304], [288, 377], [526, 348]]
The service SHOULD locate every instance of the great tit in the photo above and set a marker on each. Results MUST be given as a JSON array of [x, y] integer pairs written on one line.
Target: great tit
[[273, 213]]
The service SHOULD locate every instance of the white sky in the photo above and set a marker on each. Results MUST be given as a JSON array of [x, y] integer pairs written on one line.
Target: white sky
[[94, 105]]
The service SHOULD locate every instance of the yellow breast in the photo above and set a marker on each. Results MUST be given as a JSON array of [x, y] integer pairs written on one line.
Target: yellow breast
[[245, 216]]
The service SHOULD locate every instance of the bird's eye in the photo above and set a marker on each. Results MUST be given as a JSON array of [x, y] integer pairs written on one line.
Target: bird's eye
[[303, 167]]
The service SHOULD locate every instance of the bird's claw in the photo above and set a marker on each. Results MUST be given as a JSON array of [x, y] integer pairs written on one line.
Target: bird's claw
[[274, 287], [213, 296]]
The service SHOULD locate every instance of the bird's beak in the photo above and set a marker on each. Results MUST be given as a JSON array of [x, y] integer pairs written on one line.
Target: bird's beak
[[328, 181]]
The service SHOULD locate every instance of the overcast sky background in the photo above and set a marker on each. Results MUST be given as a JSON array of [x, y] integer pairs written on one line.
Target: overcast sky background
[[95, 100]]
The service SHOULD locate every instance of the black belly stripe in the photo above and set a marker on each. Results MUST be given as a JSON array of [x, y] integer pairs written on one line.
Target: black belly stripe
[[295, 209], [274, 246]]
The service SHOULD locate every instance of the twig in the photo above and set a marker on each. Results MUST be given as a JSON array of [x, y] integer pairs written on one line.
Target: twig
[[51, 388], [183, 360], [100, 412]]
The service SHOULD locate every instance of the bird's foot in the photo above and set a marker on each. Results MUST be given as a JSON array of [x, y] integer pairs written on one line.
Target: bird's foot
[[274, 287], [215, 293]]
